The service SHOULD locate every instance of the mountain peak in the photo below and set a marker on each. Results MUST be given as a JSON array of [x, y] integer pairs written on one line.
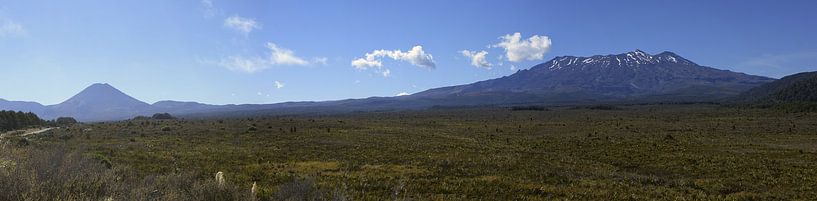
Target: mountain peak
[[671, 57], [640, 53], [100, 90], [100, 86], [628, 60], [667, 53], [639, 56], [102, 93], [100, 101]]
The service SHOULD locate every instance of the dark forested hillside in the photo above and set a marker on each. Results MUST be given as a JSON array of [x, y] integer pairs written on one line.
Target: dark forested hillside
[[801, 87], [11, 120]]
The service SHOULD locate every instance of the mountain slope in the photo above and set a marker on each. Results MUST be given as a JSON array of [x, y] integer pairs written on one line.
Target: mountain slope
[[632, 76], [801, 87], [98, 102], [21, 106], [175, 107]]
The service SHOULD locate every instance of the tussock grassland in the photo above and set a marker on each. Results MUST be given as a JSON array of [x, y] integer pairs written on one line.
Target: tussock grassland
[[648, 152]]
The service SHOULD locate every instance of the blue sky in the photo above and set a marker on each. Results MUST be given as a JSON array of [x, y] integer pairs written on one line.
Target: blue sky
[[241, 51]]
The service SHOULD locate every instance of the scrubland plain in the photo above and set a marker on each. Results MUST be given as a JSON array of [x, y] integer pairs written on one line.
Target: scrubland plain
[[641, 152]]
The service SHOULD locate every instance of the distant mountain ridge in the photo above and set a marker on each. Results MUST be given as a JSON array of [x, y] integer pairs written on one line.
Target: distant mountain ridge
[[628, 77], [21, 106], [103, 102]]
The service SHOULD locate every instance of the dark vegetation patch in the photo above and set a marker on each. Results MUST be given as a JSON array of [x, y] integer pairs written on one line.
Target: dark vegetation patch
[[795, 107], [797, 88], [599, 107], [11, 120], [531, 107]]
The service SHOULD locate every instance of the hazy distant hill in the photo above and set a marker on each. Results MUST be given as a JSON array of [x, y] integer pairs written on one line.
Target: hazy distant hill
[[801, 87], [182, 107], [631, 76], [21, 106]]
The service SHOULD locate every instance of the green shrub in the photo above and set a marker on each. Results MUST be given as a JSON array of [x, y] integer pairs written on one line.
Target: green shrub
[[66, 121], [163, 116]]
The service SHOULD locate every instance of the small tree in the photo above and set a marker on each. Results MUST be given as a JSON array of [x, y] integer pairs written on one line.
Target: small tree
[[66, 121], [163, 116]]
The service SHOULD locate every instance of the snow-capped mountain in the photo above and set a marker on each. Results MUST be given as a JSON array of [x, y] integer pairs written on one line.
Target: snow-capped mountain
[[633, 59], [631, 76]]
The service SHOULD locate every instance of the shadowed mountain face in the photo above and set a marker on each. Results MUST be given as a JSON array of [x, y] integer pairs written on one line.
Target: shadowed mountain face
[[98, 102], [632, 76], [801, 87]]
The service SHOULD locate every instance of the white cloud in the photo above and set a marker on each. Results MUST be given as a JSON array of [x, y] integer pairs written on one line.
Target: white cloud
[[363, 64], [320, 60], [279, 85], [282, 56], [243, 25], [386, 73], [11, 28], [516, 49], [208, 8], [416, 56], [244, 64], [478, 59], [278, 56], [403, 94]]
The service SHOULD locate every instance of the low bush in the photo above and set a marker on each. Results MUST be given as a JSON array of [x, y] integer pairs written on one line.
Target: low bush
[[534, 108], [163, 116], [61, 174]]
